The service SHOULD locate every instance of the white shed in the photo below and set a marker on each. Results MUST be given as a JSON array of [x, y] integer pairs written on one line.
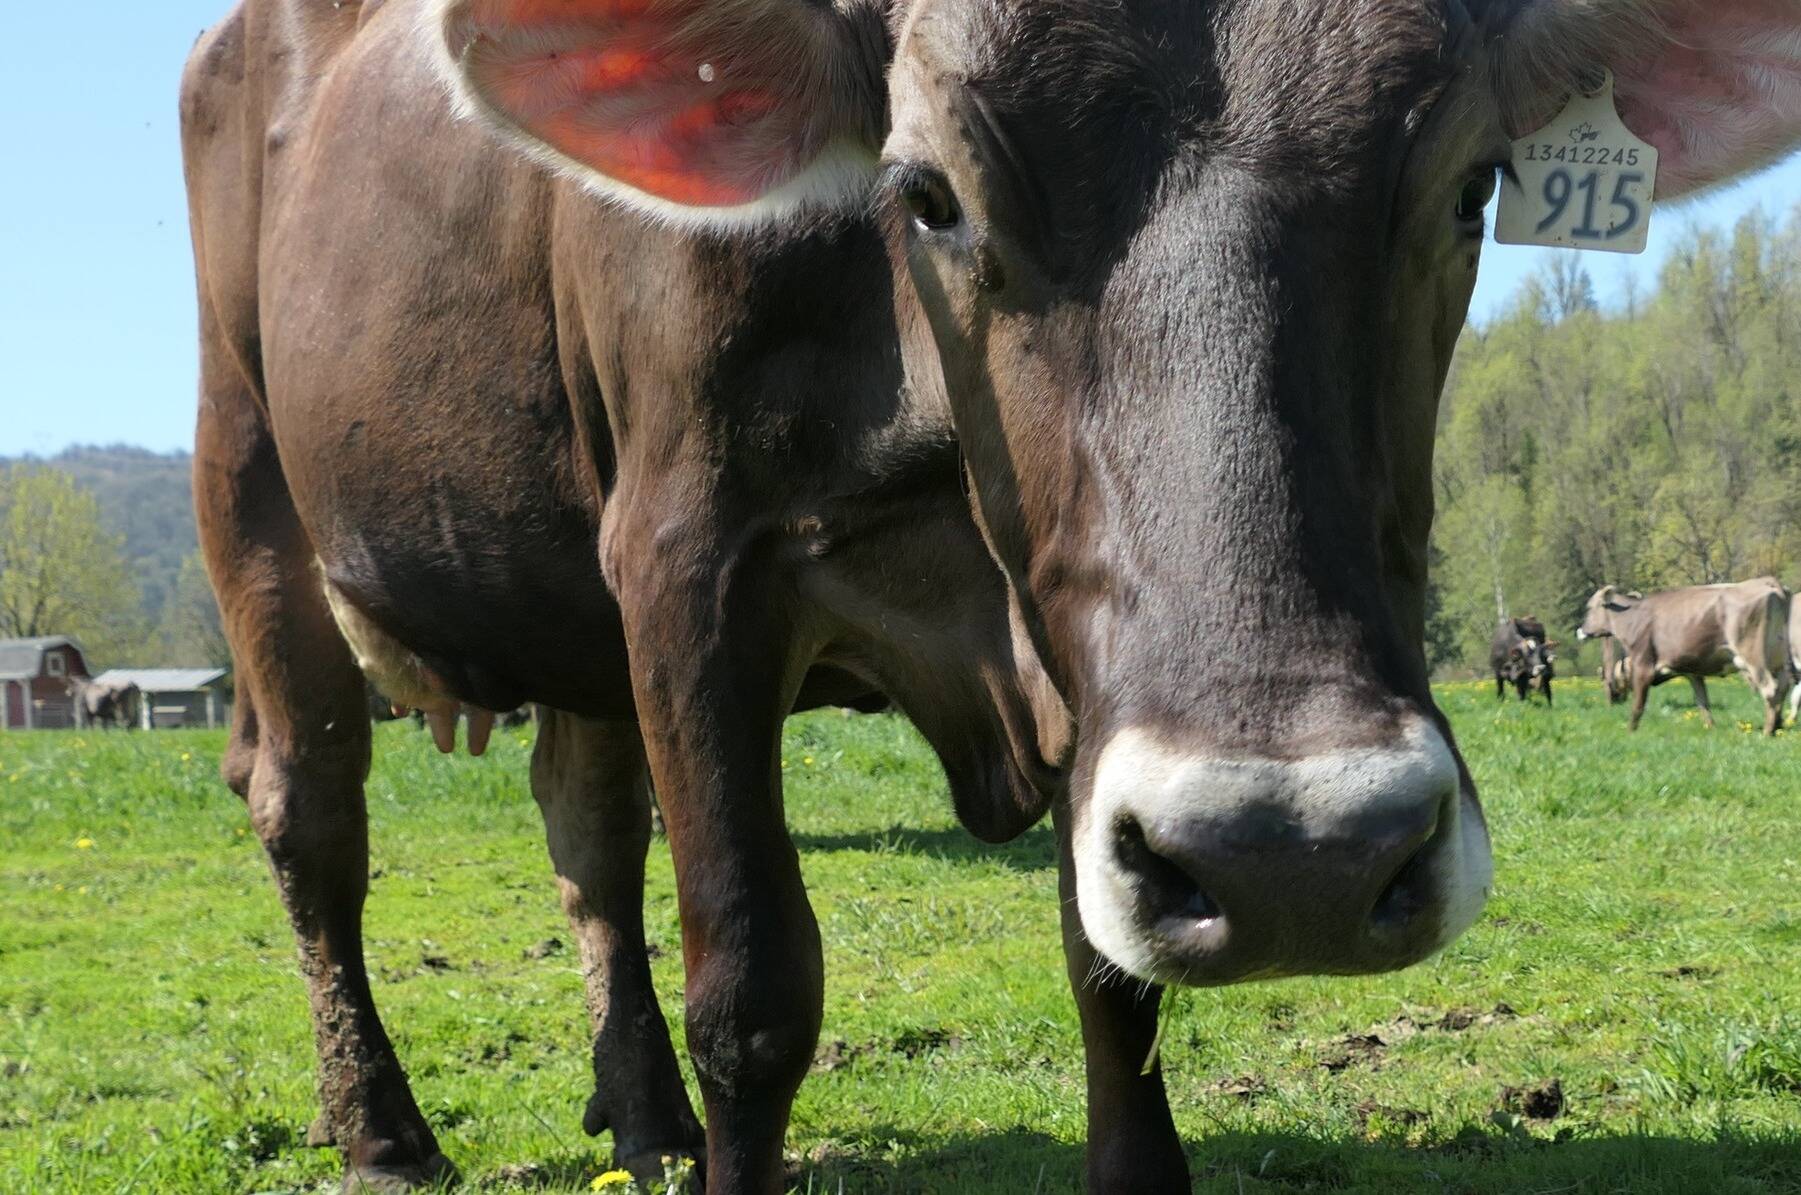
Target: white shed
[[174, 697]]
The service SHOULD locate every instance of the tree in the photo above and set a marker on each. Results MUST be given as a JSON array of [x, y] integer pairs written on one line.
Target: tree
[[192, 632], [60, 574]]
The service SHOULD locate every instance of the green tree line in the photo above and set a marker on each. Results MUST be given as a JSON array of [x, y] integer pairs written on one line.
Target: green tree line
[[1652, 444], [62, 572]]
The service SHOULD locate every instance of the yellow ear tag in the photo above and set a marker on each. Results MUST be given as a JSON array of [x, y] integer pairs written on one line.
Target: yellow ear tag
[[1584, 181]]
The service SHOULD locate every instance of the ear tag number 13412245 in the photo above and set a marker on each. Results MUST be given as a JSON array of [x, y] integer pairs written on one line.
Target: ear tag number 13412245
[[1583, 181]]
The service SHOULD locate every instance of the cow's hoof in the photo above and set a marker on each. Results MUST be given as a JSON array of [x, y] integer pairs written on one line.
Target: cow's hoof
[[434, 1174], [319, 1134], [595, 1118]]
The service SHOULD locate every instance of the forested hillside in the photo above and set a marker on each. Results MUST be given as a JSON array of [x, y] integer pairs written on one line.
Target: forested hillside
[[1652, 445], [147, 498]]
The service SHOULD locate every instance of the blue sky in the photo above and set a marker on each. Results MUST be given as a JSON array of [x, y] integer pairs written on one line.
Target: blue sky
[[96, 289]]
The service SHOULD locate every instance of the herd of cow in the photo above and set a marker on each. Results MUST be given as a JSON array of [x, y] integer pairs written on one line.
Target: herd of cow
[[1753, 627], [1064, 372]]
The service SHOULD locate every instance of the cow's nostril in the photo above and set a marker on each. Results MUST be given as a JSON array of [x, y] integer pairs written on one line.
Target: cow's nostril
[[1412, 889], [1164, 884]]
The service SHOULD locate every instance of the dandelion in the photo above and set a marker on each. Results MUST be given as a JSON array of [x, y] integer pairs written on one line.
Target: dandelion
[[185, 757], [84, 843], [611, 1180], [808, 761], [83, 890]]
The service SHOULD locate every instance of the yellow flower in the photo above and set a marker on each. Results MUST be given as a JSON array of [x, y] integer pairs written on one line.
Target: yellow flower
[[610, 1180], [808, 761], [185, 757], [83, 890], [82, 844]]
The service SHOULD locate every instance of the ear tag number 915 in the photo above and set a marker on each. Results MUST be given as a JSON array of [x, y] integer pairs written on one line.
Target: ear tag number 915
[[1583, 181]]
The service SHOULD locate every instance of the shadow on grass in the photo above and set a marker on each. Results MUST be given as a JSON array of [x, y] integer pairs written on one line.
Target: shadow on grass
[[1019, 1162], [1035, 850]]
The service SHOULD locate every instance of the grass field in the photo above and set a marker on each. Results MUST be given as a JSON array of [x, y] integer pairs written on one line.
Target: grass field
[[1643, 949]]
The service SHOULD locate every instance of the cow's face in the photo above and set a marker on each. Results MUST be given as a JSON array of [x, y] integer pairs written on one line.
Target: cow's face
[[1193, 275], [1603, 605], [1190, 275]]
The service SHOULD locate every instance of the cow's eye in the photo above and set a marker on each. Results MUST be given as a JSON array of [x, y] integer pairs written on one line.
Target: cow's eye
[[928, 199], [1478, 189]]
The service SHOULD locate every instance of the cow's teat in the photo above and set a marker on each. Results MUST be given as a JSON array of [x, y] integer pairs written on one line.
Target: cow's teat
[[1210, 870]]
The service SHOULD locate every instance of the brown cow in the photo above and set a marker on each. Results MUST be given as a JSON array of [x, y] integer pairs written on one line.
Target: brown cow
[[1794, 649], [715, 363], [1698, 632]]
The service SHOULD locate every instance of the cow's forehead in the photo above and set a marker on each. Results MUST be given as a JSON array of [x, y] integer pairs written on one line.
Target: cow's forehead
[[1252, 77]]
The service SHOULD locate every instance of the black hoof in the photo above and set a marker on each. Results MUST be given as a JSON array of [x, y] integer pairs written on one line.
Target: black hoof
[[595, 1120], [434, 1174]]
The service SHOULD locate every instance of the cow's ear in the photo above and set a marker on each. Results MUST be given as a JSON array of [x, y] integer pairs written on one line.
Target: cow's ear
[[1715, 85], [701, 111]]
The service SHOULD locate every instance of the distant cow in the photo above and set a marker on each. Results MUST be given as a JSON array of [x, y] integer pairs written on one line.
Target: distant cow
[[1521, 656], [1794, 658], [1698, 632], [106, 704]]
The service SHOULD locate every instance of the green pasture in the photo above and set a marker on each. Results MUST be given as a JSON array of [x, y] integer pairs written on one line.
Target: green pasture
[[1642, 951]]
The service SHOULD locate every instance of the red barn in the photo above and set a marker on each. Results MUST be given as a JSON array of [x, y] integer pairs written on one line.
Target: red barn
[[34, 682]]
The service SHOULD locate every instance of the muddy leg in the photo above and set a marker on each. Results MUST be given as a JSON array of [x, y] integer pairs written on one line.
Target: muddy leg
[[1700, 687], [590, 780], [299, 752], [1132, 1141], [714, 671]]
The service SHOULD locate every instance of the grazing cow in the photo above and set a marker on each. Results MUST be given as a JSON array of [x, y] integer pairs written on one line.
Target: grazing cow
[[1521, 656], [1065, 370], [1698, 632], [107, 704]]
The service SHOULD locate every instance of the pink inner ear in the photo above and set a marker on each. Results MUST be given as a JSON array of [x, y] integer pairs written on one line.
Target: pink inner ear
[[652, 93], [1722, 96]]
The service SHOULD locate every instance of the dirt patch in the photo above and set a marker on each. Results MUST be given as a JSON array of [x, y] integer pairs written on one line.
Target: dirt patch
[[1353, 1049], [435, 962], [1690, 971], [1247, 1089], [1369, 1110], [1459, 1019], [1455, 1020], [910, 1044], [544, 949], [835, 1054], [915, 1042], [1537, 1101]]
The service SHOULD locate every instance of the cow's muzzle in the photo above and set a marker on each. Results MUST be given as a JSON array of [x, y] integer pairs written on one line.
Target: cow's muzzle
[[1214, 870]]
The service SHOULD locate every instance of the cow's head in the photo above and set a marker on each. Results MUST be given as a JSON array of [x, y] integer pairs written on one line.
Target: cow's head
[[1603, 605], [1190, 275]]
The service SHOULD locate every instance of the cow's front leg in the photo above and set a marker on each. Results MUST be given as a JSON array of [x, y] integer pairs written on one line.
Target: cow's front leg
[[714, 670], [590, 780], [1132, 1140]]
